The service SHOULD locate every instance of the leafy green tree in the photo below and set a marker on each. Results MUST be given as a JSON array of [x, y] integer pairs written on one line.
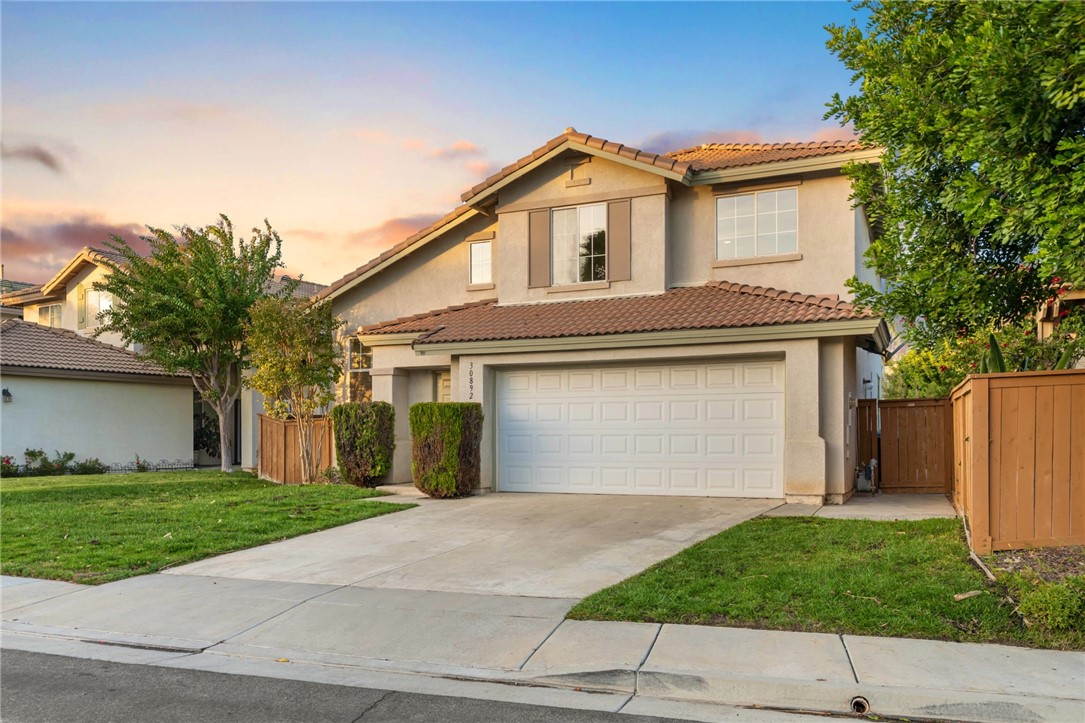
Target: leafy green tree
[[980, 196], [298, 362], [186, 304]]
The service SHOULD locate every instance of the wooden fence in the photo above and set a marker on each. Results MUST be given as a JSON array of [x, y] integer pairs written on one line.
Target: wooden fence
[[280, 458], [914, 451], [1019, 451]]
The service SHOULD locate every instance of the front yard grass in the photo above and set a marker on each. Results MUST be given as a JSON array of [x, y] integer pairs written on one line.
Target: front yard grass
[[894, 579], [99, 528]]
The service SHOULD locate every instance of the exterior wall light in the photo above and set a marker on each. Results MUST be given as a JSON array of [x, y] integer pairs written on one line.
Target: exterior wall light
[[7, 395]]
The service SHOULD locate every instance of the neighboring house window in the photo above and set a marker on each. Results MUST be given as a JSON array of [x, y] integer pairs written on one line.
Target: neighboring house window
[[81, 306], [756, 224], [481, 262], [49, 315], [89, 304], [359, 366], [578, 244]]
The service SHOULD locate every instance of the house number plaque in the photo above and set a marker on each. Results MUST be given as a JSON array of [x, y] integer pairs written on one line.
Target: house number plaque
[[470, 380]]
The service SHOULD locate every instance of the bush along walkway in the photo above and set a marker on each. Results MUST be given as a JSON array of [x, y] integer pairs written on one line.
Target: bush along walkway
[[910, 579], [98, 528]]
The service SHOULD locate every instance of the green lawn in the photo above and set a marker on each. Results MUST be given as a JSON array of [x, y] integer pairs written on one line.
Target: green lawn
[[99, 528], [837, 576]]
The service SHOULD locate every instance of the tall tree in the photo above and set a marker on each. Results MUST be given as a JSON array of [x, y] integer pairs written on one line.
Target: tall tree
[[187, 302], [980, 197], [297, 363]]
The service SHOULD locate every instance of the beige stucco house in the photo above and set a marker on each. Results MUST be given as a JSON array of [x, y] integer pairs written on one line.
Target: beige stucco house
[[69, 301], [634, 323], [66, 392]]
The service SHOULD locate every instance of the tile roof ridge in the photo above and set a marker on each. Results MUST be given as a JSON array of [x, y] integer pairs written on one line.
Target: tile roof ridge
[[828, 301], [770, 146], [422, 315]]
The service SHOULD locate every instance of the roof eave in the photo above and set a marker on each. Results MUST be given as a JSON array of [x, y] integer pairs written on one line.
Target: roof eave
[[330, 293], [85, 256], [479, 198], [800, 165], [872, 327]]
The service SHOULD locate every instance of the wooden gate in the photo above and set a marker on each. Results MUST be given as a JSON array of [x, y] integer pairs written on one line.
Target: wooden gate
[[915, 447]]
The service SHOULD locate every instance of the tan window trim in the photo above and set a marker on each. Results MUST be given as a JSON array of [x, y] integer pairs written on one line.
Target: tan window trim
[[578, 182], [482, 236], [585, 286], [585, 200], [480, 287], [739, 189], [753, 260]]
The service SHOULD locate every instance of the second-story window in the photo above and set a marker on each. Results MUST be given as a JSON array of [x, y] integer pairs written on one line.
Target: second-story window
[[481, 262], [359, 368], [578, 244], [757, 224], [49, 315]]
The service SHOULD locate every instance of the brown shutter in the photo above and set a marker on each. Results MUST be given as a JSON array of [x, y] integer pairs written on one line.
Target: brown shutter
[[538, 249], [618, 241]]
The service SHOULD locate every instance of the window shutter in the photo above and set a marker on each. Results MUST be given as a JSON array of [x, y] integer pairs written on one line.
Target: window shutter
[[619, 248], [81, 305], [538, 249]]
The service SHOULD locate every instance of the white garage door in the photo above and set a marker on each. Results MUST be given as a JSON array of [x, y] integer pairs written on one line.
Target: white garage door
[[712, 429]]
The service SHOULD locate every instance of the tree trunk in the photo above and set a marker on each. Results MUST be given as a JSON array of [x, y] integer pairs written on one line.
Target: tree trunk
[[305, 447], [226, 446]]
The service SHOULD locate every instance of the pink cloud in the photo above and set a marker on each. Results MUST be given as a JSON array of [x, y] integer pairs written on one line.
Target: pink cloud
[[36, 250], [459, 149], [845, 133], [387, 234]]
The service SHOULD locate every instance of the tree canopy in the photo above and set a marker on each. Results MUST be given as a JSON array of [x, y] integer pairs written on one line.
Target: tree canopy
[[297, 363], [980, 197], [186, 304]]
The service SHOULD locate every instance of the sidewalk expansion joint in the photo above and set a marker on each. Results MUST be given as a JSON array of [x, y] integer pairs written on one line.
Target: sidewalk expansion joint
[[149, 646], [851, 663], [636, 673], [541, 643]]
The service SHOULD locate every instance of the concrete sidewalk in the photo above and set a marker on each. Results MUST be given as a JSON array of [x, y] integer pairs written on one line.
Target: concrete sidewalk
[[521, 648]]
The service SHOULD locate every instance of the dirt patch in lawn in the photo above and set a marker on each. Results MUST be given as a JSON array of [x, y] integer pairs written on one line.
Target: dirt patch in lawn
[[1050, 564]]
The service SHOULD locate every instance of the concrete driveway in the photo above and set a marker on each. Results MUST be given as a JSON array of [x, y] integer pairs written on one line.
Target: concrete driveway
[[537, 545]]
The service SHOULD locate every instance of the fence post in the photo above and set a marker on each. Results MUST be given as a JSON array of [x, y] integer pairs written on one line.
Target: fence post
[[981, 468]]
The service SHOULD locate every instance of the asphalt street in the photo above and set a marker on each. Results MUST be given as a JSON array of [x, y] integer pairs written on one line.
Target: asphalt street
[[37, 687]]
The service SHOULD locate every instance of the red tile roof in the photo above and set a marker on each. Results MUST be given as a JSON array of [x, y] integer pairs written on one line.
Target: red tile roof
[[664, 162], [28, 345], [716, 305], [717, 156]]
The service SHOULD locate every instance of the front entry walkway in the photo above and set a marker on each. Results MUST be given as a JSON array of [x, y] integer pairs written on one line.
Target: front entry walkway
[[540, 545], [877, 507]]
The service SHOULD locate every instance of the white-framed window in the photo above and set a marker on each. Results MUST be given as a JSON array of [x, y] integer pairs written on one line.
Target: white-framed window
[[757, 224], [481, 253], [49, 315], [578, 244], [359, 368], [89, 304]]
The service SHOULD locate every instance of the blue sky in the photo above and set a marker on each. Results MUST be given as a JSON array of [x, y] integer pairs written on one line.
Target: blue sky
[[349, 125]]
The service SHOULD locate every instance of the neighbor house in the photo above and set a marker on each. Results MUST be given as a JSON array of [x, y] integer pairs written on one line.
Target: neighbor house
[[635, 323], [65, 392], [70, 301]]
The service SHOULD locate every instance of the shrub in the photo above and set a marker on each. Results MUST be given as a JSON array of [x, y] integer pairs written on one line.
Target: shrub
[[8, 468], [38, 463], [445, 440], [1054, 606], [89, 466], [328, 476], [365, 437]]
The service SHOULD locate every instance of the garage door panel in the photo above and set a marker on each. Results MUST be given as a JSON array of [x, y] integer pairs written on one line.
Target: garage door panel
[[697, 429]]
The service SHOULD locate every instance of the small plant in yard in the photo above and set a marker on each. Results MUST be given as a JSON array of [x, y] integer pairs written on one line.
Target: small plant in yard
[[89, 466], [38, 463], [364, 440], [328, 476], [445, 447], [142, 465], [8, 468]]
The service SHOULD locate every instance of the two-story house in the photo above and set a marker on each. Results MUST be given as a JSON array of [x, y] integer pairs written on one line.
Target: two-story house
[[634, 323]]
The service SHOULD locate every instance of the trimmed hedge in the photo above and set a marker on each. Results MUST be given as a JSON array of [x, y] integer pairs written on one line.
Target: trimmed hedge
[[365, 437], [445, 439]]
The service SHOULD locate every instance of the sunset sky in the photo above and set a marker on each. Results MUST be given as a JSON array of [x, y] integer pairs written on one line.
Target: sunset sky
[[349, 126]]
